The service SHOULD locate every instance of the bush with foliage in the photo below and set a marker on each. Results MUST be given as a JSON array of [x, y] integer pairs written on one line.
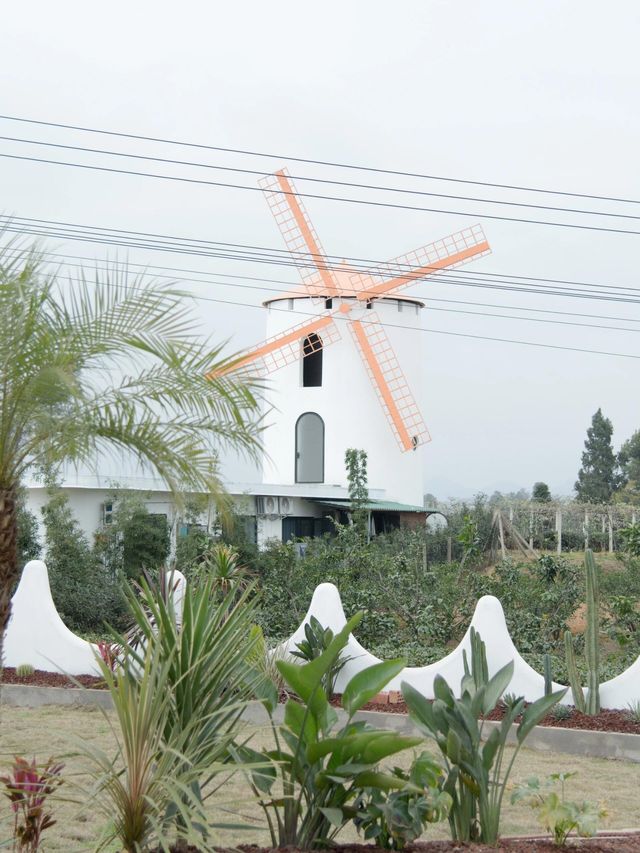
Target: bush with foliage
[[476, 773], [323, 770], [84, 593], [558, 815], [134, 539], [28, 787]]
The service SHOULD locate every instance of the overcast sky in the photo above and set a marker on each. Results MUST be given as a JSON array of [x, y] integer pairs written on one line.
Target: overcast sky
[[540, 94]]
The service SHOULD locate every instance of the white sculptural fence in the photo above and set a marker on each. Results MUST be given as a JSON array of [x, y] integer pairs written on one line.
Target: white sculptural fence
[[37, 635]]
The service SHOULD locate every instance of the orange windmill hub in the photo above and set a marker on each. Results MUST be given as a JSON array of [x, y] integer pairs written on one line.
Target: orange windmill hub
[[323, 280]]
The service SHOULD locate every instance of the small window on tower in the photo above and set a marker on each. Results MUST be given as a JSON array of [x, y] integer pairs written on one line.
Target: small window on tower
[[328, 303], [312, 361]]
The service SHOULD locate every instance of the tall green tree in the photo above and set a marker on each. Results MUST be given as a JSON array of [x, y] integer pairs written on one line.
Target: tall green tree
[[90, 368], [540, 493], [629, 461], [356, 463], [598, 477]]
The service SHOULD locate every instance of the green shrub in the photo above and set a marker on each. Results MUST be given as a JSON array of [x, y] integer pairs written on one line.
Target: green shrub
[[323, 770], [476, 774], [84, 593], [558, 815], [24, 670]]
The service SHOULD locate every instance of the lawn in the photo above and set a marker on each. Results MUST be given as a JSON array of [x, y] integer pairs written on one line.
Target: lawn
[[57, 731]]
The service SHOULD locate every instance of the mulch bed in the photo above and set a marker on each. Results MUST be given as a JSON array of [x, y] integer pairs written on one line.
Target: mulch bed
[[606, 843], [605, 721], [40, 678]]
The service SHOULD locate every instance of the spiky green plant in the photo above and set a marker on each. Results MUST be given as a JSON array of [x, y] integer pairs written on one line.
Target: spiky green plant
[[591, 644], [23, 670], [548, 681]]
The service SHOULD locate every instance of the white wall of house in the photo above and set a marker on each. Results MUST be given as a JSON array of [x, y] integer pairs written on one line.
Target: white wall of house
[[346, 401]]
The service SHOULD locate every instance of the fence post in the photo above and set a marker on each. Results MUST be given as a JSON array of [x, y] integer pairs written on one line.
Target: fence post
[[586, 530], [448, 549], [559, 530], [610, 533], [531, 530]]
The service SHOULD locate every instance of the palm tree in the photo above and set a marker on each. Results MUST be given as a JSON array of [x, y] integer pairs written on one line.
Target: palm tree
[[106, 366]]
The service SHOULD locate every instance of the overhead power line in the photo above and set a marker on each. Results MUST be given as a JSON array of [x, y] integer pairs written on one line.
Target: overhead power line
[[368, 202], [315, 180], [282, 257], [329, 163], [402, 326]]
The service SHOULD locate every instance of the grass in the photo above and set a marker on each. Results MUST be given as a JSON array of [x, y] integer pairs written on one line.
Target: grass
[[58, 731]]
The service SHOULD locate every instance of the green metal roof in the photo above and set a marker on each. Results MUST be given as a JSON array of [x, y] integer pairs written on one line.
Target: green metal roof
[[372, 506]]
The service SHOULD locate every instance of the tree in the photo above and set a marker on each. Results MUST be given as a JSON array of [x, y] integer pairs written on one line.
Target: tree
[[356, 462], [84, 594], [598, 478], [64, 395], [134, 539], [540, 493], [629, 461], [28, 542]]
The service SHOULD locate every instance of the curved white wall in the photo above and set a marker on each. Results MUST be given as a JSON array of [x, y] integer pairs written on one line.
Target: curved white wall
[[346, 402]]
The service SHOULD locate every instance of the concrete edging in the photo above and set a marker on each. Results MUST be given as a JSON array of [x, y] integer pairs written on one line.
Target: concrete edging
[[613, 745]]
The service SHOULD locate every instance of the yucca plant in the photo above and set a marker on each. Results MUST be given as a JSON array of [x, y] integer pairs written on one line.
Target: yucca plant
[[210, 675], [222, 567], [140, 789]]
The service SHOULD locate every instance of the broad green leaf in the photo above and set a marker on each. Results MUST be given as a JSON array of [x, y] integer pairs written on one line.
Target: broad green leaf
[[334, 816], [300, 721], [536, 711], [380, 781], [420, 709], [490, 748], [453, 746], [387, 745], [496, 687], [306, 680], [366, 684], [442, 691]]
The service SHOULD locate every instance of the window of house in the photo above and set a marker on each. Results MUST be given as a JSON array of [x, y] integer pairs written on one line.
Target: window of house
[[312, 361], [309, 448]]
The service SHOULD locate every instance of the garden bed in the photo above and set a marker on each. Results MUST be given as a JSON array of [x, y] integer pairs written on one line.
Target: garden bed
[[40, 678], [621, 842], [606, 721]]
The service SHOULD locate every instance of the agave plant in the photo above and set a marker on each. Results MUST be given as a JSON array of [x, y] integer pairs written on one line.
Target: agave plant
[[222, 567]]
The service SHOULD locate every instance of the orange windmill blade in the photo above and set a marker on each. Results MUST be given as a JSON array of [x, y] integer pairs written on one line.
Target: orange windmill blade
[[299, 235], [283, 349], [389, 382], [450, 252]]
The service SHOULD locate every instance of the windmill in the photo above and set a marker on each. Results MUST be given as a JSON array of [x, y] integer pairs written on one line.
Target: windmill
[[348, 296]]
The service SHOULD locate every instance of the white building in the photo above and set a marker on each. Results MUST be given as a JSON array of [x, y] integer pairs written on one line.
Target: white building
[[323, 404]]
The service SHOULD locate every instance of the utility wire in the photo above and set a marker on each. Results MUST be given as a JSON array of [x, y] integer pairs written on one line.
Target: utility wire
[[282, 257], [210, 278], [413, 328], [518, 288], [344, 199], [309, 179], [329, 163]]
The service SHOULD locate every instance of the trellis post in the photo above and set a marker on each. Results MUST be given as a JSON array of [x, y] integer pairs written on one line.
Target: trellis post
[[559, 530]]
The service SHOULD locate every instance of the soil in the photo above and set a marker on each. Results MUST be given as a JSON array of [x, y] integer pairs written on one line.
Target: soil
[[40, 678], [605, 721], [604, 843]]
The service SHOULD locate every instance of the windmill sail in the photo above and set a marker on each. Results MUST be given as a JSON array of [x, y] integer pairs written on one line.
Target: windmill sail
[[448, 253], [299, 235], [389, 383], [283, 349]]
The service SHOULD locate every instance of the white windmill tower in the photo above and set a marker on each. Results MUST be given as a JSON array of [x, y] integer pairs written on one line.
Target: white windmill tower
[[336, 379]]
